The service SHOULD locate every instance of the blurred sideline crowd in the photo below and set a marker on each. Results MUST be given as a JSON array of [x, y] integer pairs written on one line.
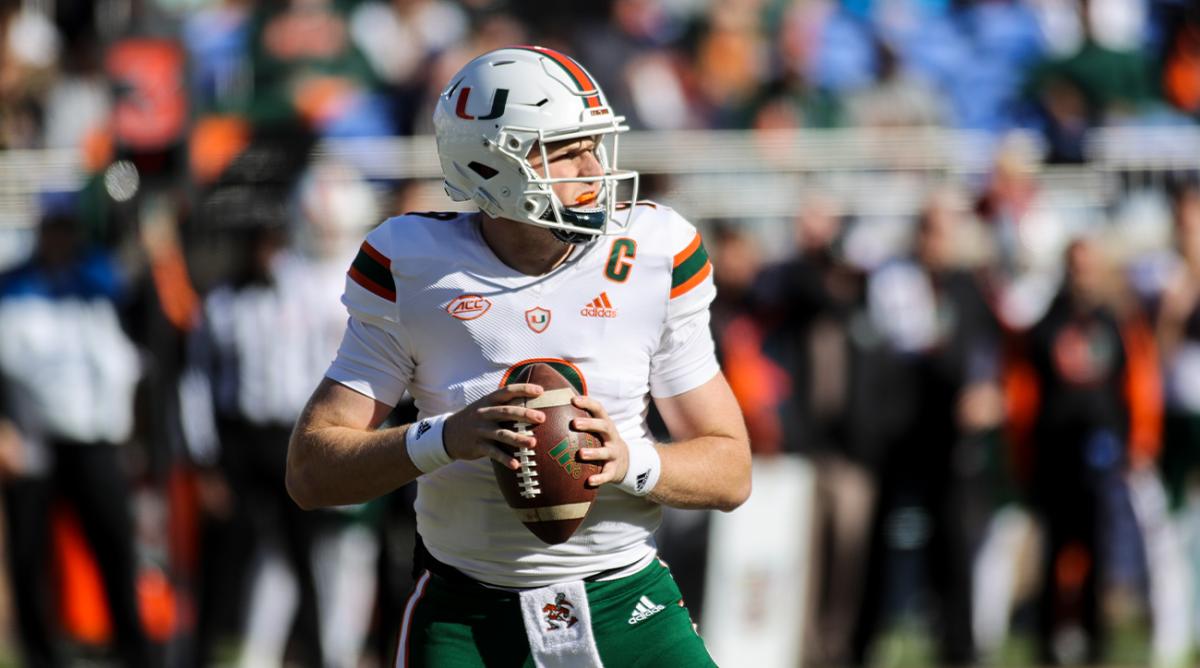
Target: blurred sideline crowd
[[1003, 411]]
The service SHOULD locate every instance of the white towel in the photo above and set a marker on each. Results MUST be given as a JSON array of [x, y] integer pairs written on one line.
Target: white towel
[[558, 623]]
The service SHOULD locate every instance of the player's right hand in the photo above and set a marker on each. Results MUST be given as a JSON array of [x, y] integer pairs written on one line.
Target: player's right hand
[[482, 429]]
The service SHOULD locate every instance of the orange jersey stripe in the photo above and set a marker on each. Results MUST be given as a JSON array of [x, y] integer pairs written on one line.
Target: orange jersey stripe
[[376, 255], [604, 298], [687, 252], [692, 282], [368, 284]]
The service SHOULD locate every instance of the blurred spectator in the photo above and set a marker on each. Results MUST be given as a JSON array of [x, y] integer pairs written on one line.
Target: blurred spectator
[[935, 322], [809, 302], [68, 373], [758, 384], [29, 51], [1178, 335], [1107, 80], [925, 36], [1028, 235], [79, 102], [793, 97], [268, 335], [1079, 434], [1065, 115], [730, 60], [307, 67], [217, 40], [633, 58], [897, 99], [658, 94], [399, 39], [336, 205], [253, 357], [1181, 71]]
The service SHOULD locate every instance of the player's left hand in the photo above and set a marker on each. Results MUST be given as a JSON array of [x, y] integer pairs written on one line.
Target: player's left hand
[[614, 454]]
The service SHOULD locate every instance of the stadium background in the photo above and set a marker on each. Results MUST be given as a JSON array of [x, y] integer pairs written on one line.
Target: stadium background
[[812, 141]]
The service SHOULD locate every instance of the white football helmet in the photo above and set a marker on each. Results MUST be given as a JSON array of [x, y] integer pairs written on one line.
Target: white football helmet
[[503, 104]]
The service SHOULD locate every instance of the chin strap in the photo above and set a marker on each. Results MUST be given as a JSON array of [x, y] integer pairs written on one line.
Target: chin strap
[[593, 220], [572, 237]]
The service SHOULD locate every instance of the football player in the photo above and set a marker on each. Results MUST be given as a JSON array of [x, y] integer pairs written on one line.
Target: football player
[[556, 266]]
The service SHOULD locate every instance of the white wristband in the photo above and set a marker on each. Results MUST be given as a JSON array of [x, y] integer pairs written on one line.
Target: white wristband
[[645, 467], [424, 443]]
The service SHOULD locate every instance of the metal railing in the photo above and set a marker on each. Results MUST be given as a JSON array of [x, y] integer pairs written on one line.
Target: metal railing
[[743, 174]]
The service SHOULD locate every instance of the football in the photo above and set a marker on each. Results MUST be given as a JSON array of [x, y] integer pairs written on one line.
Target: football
[[549, 493]]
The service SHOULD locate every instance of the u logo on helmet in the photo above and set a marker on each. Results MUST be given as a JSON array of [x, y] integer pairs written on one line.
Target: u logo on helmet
[[499, 101]]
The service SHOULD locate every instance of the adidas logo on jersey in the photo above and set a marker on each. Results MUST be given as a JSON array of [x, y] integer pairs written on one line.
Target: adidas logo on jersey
[[600, 307], [644, 610]]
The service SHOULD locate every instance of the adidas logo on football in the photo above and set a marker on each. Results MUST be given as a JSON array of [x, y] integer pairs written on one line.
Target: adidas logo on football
[[599, 307], [644, 610]]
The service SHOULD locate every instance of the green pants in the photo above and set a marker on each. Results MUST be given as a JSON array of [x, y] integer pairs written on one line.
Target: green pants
[[639, 620]]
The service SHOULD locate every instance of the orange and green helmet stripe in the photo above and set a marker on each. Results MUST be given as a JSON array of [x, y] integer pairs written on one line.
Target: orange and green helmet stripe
[[577, 74], [691, 267]]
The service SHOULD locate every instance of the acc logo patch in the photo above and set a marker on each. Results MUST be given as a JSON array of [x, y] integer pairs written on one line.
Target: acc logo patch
[[468, 307]]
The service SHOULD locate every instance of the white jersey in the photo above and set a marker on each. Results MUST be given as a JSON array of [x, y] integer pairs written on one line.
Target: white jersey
[[435, 312]]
